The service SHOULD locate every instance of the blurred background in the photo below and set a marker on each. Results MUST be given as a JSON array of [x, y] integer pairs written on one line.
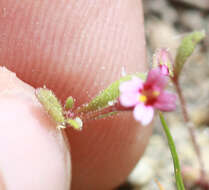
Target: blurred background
[[166, 23]]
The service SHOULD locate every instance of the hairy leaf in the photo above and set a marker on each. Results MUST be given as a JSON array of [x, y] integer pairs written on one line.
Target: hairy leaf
[[107, 96], [51, 104], [185, 49]]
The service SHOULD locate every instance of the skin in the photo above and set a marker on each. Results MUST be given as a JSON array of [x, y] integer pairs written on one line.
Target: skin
[[76, 48]]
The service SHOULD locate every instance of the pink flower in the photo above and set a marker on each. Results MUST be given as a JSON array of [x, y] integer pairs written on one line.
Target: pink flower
[[163, 60], [144, 97]]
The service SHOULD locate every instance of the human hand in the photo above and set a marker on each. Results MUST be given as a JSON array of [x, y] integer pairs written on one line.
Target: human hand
[[75, 48]]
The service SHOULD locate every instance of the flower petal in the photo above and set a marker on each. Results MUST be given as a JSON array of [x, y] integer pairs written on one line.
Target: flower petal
[[156, 79], [143, 114], [166, 101], [132, 85], [129, 99], [164, 69]]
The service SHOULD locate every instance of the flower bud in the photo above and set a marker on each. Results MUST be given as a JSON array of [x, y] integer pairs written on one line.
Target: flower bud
[[162, 59], [69, 104]]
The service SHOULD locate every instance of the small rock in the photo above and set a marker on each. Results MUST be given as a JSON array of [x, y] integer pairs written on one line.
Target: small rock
[[190, 174], [151, 6], [143, 172], [200, 116], [191, 177], [155, 7], [201, 4], [162, 35], [196, 23]]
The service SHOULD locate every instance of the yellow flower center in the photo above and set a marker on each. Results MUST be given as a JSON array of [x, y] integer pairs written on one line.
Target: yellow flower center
[[148, 97], [156, 93], [142, 98]]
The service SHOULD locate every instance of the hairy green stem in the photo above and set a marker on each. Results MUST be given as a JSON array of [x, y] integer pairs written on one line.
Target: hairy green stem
[[177, 169]]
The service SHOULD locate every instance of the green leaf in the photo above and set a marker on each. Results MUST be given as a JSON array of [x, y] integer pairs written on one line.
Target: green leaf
[[110, 94], [69, 103], [76, 123], [185, 49], [51, 104], [177, 169], [107, 115]]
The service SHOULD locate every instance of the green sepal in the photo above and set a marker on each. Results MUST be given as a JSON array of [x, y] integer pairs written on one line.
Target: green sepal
[[111, 93], [185, 49], [76, 123], [69, 103], [51, 104]]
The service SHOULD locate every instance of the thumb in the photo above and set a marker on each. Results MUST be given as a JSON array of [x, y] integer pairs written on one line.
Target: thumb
[[34, 155]]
